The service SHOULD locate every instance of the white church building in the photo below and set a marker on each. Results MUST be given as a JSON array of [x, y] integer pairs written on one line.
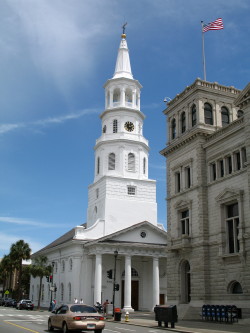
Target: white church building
[[121, 246]]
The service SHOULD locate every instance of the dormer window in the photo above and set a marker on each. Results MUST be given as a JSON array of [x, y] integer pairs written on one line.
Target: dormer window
[[208, 114]]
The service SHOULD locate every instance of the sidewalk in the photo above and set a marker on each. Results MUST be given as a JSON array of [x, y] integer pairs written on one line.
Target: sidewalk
[[185, 326]]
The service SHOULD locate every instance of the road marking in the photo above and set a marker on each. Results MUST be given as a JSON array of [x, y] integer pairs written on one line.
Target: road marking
[[24, 328], [125, 329]]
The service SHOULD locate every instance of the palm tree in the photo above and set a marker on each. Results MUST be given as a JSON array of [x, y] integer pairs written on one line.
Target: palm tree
[[6, 272], [39, 268], [19, 251]]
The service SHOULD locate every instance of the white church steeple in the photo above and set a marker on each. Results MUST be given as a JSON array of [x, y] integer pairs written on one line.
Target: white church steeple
[[123, 68], [122, 194]]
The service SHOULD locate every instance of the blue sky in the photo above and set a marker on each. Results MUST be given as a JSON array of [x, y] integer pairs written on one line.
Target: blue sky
[[55, 57]]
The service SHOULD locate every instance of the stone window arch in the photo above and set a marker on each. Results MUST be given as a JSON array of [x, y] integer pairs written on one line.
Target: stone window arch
[[235, 287], [208, 114], [224, 116], [111, 161]]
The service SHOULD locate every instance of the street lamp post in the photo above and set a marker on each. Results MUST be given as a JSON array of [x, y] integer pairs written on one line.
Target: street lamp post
[[114, 281]]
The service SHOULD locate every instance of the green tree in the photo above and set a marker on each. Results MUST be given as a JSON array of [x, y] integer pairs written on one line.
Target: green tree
[[39, 268], [19, 251], [6, 272]]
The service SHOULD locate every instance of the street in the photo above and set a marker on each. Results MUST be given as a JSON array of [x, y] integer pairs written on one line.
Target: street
[[13, 321]]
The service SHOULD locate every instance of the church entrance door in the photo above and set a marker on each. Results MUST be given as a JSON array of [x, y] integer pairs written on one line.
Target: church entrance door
[[134, 294]]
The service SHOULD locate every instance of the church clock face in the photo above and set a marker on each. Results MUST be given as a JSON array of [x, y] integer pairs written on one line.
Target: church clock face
[[129, 126]]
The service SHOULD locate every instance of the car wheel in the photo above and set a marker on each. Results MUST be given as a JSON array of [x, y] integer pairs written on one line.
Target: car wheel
[[50, 327], [65, 328]]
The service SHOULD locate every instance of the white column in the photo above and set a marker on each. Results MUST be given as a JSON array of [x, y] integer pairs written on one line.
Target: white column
[[156, 283], [122, 102], [98, 278], [127, 291]]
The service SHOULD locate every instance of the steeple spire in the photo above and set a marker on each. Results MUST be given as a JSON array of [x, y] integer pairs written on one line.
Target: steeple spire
[[123, 68]]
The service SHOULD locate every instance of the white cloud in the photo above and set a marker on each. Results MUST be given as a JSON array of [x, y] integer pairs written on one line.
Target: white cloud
[[26, 221], [6, 128]]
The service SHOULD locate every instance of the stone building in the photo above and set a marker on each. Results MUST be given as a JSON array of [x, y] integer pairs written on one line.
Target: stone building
[[121, 246], [208, 187]]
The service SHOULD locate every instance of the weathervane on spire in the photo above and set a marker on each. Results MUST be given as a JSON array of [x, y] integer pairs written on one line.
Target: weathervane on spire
[[123, 28]]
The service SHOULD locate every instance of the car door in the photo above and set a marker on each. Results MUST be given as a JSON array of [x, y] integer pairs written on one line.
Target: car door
[[59, 316]]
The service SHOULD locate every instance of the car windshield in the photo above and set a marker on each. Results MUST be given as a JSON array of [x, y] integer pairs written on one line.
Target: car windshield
[[82, 309], [28, 302]]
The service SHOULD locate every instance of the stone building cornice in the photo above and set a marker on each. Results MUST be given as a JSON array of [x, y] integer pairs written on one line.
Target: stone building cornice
[[199, 84]]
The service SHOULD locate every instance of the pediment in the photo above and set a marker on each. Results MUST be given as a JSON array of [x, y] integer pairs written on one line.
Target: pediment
[[229, 194], [244, 97], [182, 204], [143, 232]]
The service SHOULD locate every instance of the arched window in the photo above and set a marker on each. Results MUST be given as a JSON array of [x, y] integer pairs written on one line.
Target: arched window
[[144, 165], [104, 129], [173, 127], [62, 291], [194, 115], [56, 267], [208, 114], [236, 288], [42, 293], [115, 126], [240, 113], [63, 266], [98, 165], [70, 264], [111, 165], [183, 122], [134, 273], [131, 162], [224, 116], [70, 293]]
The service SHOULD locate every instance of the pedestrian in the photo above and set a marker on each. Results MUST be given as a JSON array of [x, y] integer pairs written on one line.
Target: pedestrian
[[105, 306], [75, 300], [81, 301]]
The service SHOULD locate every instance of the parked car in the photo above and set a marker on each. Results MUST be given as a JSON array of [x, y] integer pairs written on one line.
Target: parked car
[[76, 317], [14, 303], [1, 301], [8, 301], [25, 304]]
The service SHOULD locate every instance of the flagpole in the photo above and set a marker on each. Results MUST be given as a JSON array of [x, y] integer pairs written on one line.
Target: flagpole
[[203, 52]]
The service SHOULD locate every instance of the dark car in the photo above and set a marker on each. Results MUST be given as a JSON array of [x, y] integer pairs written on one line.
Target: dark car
[[76, 317], [1, 301], [8, 302], [25, 304]]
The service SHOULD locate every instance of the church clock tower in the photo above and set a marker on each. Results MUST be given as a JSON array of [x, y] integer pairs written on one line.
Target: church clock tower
[[122, 194]]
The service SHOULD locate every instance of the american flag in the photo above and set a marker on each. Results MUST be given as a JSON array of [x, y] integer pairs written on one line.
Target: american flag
[[215, 25]]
